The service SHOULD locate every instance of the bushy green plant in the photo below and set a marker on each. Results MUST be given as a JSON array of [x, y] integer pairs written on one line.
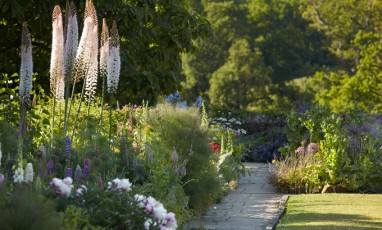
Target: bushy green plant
[[27, 208], [181, 129]]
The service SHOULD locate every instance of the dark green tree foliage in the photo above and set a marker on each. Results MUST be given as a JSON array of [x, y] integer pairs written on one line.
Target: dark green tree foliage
[[153, 34], [241, 83], [230, 22], [279, 38], [290, 47], [354, 29]]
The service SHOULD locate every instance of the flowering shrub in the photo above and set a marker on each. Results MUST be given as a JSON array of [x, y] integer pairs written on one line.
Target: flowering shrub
[[346, 153]]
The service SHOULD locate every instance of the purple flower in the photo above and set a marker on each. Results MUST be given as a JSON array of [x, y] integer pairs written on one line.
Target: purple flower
[[86, 166], [49, 168], [68, 146], [69, 172], [183, 171], [78, 173]]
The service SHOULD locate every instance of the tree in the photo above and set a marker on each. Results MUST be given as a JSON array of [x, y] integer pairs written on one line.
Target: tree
[[229, 22], [290, 47], [241, 83], [153, 34]]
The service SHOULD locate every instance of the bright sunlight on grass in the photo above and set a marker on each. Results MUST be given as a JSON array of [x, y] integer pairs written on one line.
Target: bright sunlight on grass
[[333, 211]]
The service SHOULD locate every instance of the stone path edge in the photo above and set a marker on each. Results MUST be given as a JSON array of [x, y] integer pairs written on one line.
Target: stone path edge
[[280, 213]]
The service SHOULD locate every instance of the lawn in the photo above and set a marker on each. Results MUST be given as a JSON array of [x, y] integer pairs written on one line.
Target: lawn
[[333, 211]]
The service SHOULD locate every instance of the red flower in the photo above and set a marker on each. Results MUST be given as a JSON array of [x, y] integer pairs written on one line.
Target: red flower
[[215, 146]]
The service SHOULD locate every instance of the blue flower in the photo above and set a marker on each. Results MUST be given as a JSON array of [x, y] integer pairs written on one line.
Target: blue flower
[[177, 96], [170, 98], [199, 101]]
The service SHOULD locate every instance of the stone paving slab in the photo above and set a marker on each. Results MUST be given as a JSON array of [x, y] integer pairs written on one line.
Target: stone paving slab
[[254, 205]]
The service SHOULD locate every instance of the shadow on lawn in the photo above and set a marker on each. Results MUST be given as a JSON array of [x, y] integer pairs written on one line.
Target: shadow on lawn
[[344, 221]]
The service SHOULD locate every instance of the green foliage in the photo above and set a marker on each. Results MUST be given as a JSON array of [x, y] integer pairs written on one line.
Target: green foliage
[[231, 85], [180, 129], [153, 34], [349, 155], [26, 208]]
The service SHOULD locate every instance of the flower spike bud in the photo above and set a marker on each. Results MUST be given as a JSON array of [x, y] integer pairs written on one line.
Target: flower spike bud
[[26, 67], [114, 63], [57, 82], [88, 46], [71, 41], [92, 47], [104, 52]]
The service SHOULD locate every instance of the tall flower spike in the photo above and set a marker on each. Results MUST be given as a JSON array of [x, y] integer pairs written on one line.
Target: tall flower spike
[[26, 66], [114, 63], [57, 83], [104, 52], [71, 41], [88, 46], [92, 71]]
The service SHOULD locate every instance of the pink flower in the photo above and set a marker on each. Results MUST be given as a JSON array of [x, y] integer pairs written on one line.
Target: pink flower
[[313, 148], [300, 150]]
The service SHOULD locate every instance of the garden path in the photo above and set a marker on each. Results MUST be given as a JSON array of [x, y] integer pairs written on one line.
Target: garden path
[[255, 204]]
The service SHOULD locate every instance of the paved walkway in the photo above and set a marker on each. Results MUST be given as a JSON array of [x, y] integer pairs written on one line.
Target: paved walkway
[[254, 205]]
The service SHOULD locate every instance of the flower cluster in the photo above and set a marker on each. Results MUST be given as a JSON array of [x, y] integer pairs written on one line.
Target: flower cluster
[[119, 185], [178, 103], [215, 146], [62, 187], [311, 148], [165, 220]]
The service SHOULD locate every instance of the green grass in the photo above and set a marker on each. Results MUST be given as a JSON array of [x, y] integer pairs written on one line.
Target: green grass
[[332, 211]]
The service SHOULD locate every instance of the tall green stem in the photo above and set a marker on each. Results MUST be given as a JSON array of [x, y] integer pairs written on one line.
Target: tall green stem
[[53, 113], [110, 115], [66, 113], [79, 106], [103, 97], [22, 128]]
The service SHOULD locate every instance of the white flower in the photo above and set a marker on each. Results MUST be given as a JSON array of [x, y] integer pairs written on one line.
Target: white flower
[[114, 62], [159, 212], [147, 223], [104, 51], [26, 66], [62, 187], [243, 131], [19, 175], [57, 83], [29, 173], [141, 200], [88, 46], [71, 42], [119, 185], [81, 189]]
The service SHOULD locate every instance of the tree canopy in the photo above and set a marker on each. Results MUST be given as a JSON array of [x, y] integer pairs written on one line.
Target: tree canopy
[[153, 35], [321, 51]]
